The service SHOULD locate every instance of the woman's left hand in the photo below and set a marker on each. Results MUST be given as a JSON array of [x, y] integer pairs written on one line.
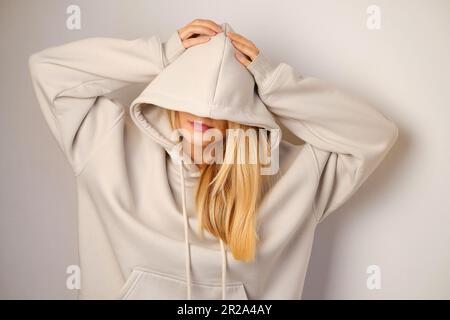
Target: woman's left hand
[[246, 51]]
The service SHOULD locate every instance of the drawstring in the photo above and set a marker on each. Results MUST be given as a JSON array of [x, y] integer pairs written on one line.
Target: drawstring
[[186, 235], [186, 242], [224, 267]]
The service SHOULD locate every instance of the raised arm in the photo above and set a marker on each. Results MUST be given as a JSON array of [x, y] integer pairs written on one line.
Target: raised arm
[[70, 82], [348, 137]]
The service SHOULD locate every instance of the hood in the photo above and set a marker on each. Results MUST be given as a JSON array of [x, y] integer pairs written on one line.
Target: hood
[[206, 80]]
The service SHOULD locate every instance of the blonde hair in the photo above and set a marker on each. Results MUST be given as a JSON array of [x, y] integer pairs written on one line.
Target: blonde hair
[[228, 194]]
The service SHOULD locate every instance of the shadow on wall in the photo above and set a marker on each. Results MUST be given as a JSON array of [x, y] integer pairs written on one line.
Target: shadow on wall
[[321, 262]]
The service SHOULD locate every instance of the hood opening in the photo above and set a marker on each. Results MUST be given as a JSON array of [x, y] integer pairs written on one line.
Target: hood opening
[[205, 80]]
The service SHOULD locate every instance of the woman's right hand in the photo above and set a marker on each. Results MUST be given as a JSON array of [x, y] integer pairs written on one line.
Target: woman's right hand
[[198, 31]]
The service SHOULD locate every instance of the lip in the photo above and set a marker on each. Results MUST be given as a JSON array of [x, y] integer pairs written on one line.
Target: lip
[[199, 126]]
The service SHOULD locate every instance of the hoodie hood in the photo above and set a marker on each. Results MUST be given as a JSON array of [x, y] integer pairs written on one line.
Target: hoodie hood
[[205, 80]]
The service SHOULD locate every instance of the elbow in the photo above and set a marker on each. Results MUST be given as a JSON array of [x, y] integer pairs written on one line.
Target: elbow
[[388, 136], [392, 133], [375, 154], [33, 62], [384, 138]]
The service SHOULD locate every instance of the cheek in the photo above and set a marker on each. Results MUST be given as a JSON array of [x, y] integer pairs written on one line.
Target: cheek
[[183, 118], [184, 124], [222, 126]]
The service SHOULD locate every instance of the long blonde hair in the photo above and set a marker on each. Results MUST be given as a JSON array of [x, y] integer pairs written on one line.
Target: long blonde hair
[[228, 194]]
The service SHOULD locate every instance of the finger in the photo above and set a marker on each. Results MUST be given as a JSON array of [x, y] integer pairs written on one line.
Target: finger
[[208, 23], [251, 52], [196, 29], [242, 58], [240, 38], [194, 41]]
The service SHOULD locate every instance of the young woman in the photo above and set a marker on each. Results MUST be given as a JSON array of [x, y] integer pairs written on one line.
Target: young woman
[[156, 221]]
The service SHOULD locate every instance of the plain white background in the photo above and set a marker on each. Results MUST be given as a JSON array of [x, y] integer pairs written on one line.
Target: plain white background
[[399, 220]]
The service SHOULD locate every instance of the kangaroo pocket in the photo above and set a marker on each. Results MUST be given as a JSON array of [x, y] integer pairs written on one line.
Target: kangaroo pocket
[[152, 285]]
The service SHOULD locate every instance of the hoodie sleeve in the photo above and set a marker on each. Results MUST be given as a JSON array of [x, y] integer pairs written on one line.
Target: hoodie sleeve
[[70, 82], [347, 137]]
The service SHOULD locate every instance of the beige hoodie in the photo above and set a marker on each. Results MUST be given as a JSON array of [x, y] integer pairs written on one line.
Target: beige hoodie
[[137, 222]]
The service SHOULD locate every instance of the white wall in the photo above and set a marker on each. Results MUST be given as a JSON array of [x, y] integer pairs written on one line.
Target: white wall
[[400, 218]]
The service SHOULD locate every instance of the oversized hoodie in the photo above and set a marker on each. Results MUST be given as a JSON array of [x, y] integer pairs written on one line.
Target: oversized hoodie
[[137, 221]]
